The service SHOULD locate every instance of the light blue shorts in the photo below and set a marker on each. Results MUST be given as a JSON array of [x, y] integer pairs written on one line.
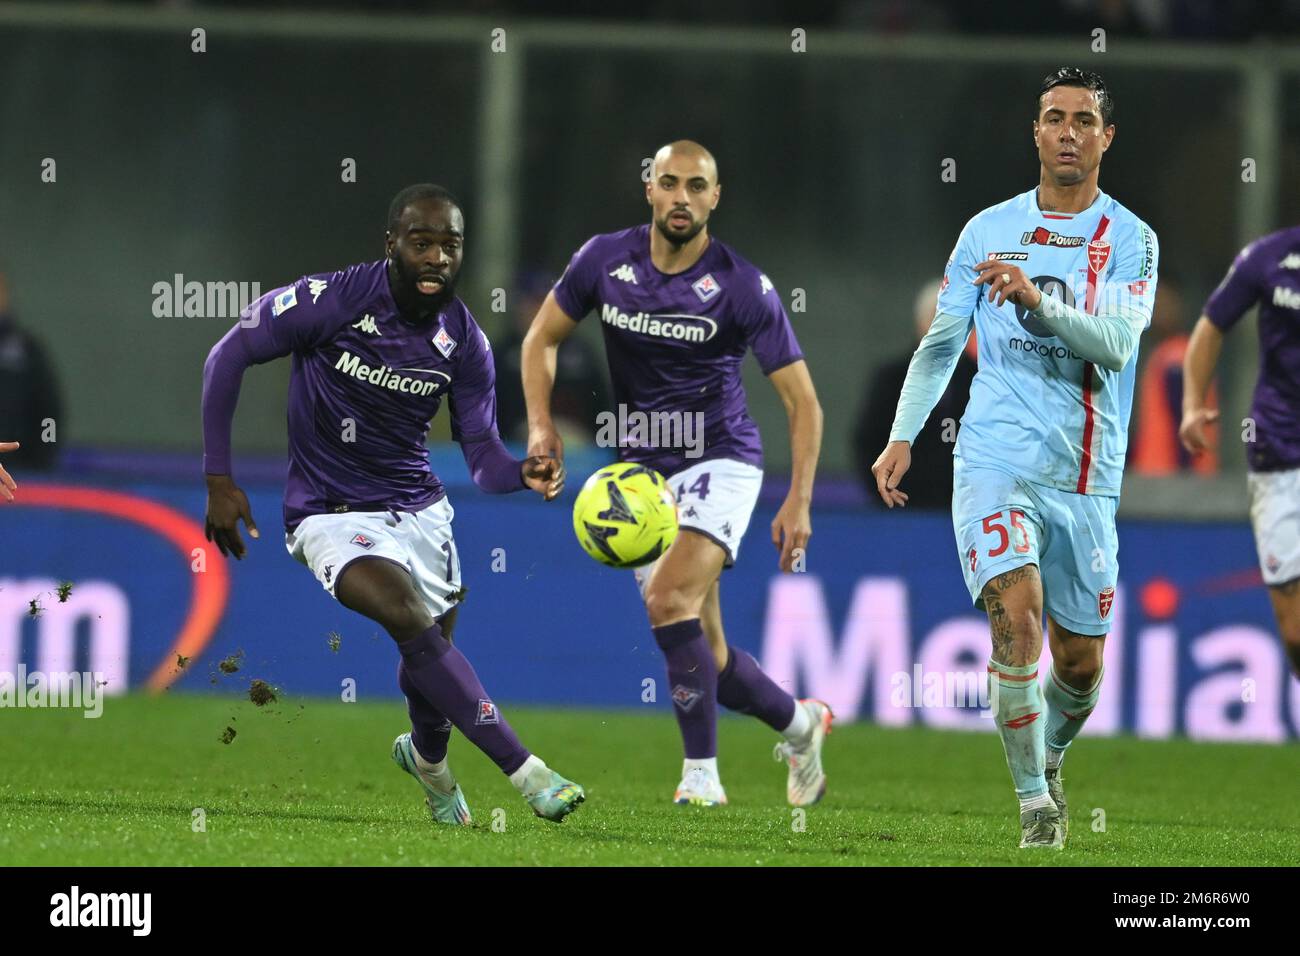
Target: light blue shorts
[[1003, 522]]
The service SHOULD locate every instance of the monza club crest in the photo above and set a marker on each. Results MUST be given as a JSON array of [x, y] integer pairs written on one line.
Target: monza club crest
[[1105, 598], [1098, 254]]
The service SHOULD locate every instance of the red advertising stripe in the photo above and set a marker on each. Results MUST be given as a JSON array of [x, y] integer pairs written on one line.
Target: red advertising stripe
[[211, 588]]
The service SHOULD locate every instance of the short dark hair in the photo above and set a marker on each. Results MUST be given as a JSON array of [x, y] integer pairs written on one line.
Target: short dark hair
[[416, 193], [1073, 76]]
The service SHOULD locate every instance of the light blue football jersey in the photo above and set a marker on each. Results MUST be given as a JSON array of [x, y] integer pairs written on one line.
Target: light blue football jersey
[[1037, 409]]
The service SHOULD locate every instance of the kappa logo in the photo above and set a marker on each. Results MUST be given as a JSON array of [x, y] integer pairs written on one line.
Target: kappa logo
[[1105, 598], [487, 713], [1292, 261], [329, 572], [706, 287], [444, 342], [285, 301], [765, 284], [361, 541], [1043, 236], [685, 697], [316, 287], [1098, 253], [625, 273], [367, 324]]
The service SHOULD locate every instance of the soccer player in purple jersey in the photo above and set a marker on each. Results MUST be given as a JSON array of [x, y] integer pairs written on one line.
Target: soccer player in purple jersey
[[376, 348], [1267, 273], [679, 310]]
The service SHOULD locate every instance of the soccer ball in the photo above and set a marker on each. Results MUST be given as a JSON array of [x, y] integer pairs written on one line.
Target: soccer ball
[[625, 515]]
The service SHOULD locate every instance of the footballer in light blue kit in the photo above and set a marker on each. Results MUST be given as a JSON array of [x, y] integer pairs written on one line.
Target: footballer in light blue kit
[[1059, 283], [678, 311]]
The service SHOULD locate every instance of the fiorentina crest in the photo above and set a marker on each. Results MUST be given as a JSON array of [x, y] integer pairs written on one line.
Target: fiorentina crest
[[685, 697], [1105, 598], [487, 713]]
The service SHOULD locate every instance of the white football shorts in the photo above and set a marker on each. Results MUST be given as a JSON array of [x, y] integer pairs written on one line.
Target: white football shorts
[[1275, 516], [715, 498], [418, 541]]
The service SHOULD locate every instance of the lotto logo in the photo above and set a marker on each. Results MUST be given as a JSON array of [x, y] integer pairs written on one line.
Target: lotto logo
[[361, 541], [487, 713], [685, 697]]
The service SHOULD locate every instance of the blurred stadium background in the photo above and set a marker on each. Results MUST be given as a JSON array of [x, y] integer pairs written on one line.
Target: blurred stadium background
[[834, 124]]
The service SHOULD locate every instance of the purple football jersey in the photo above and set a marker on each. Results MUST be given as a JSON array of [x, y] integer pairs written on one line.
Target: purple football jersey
[[363, 389], [1268, 272], [675, 343]]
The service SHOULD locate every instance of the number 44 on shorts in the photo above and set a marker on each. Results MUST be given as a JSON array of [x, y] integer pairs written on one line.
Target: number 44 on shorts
[[700, 488]]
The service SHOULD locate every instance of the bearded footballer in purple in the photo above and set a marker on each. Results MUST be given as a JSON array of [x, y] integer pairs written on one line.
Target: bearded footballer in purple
[[376, 348], [679, 310], [1266, 273]]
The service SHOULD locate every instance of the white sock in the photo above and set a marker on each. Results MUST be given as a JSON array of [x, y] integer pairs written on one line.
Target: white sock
[[1055, 758], [1043, 801], [800, 725], [533, 768], [708, 763], [439, 773]]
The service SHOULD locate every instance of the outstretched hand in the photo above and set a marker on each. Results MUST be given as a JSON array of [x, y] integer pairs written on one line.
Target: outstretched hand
[[7, 485], [889, 470], [791, 529], [1006, 281], [1192, 431], [544, 474], [227, 504]]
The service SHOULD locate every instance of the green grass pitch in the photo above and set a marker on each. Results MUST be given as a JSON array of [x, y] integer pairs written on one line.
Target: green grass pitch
[[310, 782]]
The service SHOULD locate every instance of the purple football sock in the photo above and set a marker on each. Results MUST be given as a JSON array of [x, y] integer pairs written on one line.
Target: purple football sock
[[445, 679], [430, 729], [743, 687], [693, 676]]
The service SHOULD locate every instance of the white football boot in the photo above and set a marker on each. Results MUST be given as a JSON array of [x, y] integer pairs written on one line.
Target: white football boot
[[806, 782], [700, 787]]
